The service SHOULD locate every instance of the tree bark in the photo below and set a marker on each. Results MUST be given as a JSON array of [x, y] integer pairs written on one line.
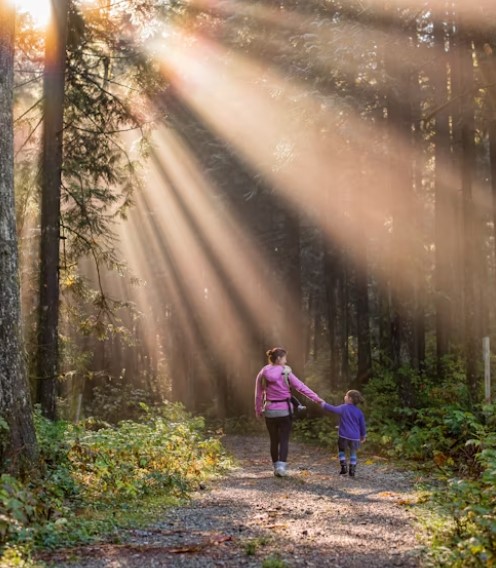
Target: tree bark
[[444, 205], [364, 368], [468, 215], [402, 264], [292, 275], [51, 179], [487, 65], [418, 236], [361, 279], [337, 310], [492, 158], [18, 448]]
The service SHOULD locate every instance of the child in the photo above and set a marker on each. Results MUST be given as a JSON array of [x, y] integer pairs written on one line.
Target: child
[[351, 431]]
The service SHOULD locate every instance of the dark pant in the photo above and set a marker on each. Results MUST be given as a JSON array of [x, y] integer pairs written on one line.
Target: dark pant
[[279, 429], [352, 446]]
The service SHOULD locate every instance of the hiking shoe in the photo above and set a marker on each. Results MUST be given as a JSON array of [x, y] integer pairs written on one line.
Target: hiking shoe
[[281, 470]]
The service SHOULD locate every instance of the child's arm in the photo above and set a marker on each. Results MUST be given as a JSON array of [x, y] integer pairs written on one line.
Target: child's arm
[[331, 408], [363, 429]]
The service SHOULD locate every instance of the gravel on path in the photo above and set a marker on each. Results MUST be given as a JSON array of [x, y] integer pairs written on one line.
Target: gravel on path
[[313, 518]]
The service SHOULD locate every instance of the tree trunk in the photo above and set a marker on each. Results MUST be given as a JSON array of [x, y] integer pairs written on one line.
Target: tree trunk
[[402, 265], [335, 274], [418, 223], [492, 157], [361, 272], [330, 269], [364, 367], [18, 448], [469, 248], [344, 327], [444, 214], [51, 174], [292, 276], [487, 65]]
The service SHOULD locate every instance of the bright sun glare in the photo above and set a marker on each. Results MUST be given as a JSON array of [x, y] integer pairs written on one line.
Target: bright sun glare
[[39, 10]]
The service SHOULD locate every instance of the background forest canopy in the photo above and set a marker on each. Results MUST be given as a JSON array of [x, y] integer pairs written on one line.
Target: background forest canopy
[[238, 175]]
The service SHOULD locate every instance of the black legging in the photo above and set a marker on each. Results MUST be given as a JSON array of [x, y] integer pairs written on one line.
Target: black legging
[[279, 429]]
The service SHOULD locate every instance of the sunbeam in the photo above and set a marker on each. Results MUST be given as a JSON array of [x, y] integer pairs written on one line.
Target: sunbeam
[[39, 10], [316, 152], [221, 286]]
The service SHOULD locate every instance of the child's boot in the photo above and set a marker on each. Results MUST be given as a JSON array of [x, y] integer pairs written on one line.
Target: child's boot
[[277, 466], [352, 470], [344, 468]]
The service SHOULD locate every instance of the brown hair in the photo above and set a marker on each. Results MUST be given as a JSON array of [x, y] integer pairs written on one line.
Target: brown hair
[[274, 353], [356, 396]]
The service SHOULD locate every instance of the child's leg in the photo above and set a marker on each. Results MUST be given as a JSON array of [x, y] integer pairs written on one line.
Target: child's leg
[[342, 455], [353, 457], [353, 453]]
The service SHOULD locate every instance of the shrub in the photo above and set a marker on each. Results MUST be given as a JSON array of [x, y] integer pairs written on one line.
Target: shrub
[[94, 465], [467, 537]]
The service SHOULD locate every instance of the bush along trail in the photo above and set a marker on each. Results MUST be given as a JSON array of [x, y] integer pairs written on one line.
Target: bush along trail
[[313, 517]]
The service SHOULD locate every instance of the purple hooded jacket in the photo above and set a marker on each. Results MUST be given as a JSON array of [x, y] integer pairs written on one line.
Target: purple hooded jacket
[[352, 421], [271, 385]]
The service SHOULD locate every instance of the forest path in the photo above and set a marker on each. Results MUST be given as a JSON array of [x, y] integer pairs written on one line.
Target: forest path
[[314, 517]]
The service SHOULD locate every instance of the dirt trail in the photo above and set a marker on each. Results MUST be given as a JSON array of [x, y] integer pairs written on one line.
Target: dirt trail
[[315, 517]]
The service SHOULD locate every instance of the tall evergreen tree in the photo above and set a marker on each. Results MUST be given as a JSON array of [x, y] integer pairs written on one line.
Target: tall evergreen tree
[[444, 199], [50, 182], [18, 448], [470, 272]]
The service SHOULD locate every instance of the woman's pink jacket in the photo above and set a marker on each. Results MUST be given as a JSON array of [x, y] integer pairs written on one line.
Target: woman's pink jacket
[[271, 385]]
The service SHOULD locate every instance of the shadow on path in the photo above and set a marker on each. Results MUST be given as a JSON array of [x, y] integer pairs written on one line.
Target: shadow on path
[[313, 518]]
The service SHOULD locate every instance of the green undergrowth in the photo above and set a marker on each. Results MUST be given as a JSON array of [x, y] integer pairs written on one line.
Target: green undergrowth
[[458, 516], [451, 445], [95, 478]]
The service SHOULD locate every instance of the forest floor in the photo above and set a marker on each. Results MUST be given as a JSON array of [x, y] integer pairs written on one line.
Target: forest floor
[[249, 518]]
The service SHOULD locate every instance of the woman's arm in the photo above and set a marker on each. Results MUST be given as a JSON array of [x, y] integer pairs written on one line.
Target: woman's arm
[[302, 388], [259, 392]]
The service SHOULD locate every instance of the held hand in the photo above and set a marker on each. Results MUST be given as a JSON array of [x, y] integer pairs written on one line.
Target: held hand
[[322, 403], [363, 439]]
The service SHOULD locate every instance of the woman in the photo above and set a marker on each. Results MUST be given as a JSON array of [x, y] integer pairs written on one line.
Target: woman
[[272, 394]]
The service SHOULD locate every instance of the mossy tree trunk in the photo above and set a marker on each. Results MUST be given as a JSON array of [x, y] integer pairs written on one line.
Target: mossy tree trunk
[[18, 448]]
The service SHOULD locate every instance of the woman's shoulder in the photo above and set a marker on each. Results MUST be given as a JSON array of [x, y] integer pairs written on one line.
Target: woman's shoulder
[[272, 370]]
